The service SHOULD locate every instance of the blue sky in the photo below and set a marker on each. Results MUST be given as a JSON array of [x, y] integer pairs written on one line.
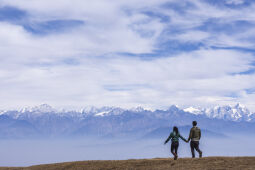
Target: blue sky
[[153, 53]]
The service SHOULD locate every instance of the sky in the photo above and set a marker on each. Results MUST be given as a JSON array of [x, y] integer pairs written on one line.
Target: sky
[[127, 53]]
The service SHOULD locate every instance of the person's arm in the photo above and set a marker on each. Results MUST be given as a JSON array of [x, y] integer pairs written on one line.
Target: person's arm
[[183, 138], [199, 134], [169, 137], [190, 135]]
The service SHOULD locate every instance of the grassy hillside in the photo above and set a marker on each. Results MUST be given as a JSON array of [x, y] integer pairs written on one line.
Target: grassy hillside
[[210, 163]]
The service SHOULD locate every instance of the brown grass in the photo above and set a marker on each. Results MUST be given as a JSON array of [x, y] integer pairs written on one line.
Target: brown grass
[[209, 163]]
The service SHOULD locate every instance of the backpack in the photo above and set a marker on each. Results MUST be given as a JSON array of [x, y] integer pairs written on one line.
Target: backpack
[[196, 133]]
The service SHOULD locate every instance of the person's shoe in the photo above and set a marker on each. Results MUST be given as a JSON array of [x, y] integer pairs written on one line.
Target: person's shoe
[[200, 155], [175, 157]]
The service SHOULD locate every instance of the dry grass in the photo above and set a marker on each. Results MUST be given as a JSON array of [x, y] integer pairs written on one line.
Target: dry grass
[[209, 163]]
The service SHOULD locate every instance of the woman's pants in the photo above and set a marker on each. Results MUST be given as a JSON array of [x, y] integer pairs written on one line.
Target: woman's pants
[[174, 147]]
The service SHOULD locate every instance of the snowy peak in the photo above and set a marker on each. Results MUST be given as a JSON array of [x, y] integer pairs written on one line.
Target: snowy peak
[[88, 109], [234, 113], [137, 109], [105, 111], [2, 112], [242, 109], [193, 110], [173, 108], [43, 108]]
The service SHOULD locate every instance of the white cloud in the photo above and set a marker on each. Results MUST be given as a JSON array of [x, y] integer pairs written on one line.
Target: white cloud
[[34, 68], [192, 36], [197, 78]]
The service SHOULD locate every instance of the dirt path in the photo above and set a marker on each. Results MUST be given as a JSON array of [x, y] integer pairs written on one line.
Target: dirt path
[[210, 163]]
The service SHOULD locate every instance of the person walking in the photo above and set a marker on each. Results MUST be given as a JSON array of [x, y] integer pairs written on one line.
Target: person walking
[[174, 136], [194, 136]]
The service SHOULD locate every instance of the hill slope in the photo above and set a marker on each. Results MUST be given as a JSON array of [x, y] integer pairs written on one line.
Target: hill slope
[[155, 164]]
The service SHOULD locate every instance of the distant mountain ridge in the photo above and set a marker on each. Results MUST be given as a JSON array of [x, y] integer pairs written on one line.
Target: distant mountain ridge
[[234, 113], [45, 121], [237, 112]]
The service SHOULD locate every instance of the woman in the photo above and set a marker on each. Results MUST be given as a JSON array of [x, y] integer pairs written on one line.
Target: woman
[[174, 136]]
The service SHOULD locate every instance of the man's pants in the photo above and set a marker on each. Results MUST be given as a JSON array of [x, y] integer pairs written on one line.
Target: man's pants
[[195, 145]]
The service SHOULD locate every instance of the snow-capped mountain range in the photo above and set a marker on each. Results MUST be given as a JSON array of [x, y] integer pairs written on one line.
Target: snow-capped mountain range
[[237, 112], [234, 113], [45, 121]]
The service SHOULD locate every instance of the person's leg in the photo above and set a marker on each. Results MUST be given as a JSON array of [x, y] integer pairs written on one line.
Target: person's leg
[[176, 148], [176, 145], [196, 146], [172, 149], [192, 149]]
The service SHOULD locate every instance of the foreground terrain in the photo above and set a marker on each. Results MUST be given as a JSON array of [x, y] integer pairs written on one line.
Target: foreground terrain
[[212, 163]]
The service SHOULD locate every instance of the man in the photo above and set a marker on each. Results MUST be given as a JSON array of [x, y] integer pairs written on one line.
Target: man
[[194, 136]]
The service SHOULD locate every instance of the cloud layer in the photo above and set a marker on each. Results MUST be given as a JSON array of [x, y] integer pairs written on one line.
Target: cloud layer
[[126, 53]]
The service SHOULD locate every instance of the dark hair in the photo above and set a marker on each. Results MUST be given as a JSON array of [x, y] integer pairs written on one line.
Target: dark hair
[[194, 123], [175, 129]]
